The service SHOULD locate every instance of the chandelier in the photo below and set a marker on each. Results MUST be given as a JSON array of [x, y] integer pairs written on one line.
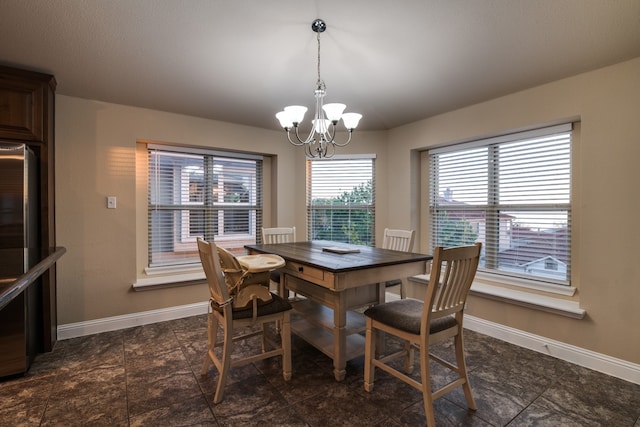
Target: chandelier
[[321, 139]]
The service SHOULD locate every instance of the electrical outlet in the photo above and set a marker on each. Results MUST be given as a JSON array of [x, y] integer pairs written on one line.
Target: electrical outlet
[[111, 202]]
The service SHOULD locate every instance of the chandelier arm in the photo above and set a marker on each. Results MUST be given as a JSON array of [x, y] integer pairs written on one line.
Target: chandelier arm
[[342, 144], [310, 153], [329, 153], [297, 144], [329, 136], [303, 141]]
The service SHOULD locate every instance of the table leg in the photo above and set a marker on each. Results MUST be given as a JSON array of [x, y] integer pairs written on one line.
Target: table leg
[[340, 338]]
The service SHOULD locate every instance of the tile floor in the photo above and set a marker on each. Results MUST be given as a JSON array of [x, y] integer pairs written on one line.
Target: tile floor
[[150, 376]]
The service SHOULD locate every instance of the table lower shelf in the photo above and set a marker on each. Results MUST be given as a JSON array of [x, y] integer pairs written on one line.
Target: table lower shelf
[[313, 322]]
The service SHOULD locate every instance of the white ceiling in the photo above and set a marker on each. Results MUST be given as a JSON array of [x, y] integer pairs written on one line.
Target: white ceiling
[[241, 61]]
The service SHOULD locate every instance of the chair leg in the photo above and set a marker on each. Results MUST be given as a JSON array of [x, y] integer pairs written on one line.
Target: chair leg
[[212, 336], [462, 366], [227, 348], [409, 357], [369, 354], [427, 397], [403, 288], [263, 336], [285, 336], [205, 363]]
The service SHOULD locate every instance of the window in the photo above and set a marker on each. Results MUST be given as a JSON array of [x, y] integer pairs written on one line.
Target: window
[[198, 193], [341, 199], [511, 193]]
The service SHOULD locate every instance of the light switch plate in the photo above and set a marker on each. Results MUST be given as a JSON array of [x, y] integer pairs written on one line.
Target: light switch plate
[[111, 202]]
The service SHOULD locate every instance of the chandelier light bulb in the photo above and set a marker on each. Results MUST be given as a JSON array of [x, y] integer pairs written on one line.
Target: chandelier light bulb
[[321, 125], [334, 111], [285, 120], [296, 113], [351, 120]]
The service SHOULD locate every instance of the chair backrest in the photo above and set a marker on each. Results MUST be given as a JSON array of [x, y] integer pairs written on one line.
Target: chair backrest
[[211, 264], [452, 272], [398, 240], [278, 235]]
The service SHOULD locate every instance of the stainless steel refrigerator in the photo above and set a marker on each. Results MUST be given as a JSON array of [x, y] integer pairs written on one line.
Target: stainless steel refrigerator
[[19, 251], [18, 209]]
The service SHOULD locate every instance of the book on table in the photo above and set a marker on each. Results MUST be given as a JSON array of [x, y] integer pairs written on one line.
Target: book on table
[[340, 250]]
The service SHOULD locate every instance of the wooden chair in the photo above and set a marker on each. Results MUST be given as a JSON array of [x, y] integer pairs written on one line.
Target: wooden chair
[[232, 320], [421, 324], [278, 235], [398, 240]]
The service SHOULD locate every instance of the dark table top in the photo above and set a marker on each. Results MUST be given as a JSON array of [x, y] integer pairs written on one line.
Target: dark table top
[[312, 253]]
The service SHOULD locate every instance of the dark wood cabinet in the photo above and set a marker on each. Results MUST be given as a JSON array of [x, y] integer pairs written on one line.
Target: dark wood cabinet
[[21, 109], [28, 322]]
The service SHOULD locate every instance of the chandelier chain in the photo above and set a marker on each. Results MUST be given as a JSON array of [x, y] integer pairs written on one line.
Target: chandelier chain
[[318, 37]]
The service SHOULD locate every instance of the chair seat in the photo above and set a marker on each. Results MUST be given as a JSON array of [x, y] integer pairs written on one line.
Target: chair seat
[[406, 315], [276, 305]]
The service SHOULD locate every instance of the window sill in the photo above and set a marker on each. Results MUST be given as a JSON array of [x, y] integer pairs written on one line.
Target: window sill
[[169, 281], [526, 299], [545, 303], [528, 284]]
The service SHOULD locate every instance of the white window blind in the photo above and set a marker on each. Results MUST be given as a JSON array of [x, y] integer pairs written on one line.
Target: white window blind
[[341, 200], [196, 193], [513, 194]]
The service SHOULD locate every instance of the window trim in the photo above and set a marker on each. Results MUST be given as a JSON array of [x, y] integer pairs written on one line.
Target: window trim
[[505, 281], [309, 161], [184, 272], [508, 137], [205, 151]]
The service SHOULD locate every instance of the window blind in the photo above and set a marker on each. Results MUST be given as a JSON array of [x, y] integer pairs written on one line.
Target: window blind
[[513, 194], [341, 199], [195, 193]]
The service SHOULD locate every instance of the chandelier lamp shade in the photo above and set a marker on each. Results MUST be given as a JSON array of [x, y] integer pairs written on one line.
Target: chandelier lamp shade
[[321, 139]]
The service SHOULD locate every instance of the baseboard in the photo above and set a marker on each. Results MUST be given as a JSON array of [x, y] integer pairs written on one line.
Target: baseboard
[[589, 359], [73, 330]]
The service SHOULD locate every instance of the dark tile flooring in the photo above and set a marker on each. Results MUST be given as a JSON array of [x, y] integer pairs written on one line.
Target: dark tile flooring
[[150, 376]]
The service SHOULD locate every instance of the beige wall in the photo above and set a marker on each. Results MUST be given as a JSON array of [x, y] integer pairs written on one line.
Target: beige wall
[[95, 157], [606, 199]]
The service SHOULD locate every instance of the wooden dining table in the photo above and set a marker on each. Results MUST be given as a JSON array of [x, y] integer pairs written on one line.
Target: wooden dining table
[[333, 280]]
